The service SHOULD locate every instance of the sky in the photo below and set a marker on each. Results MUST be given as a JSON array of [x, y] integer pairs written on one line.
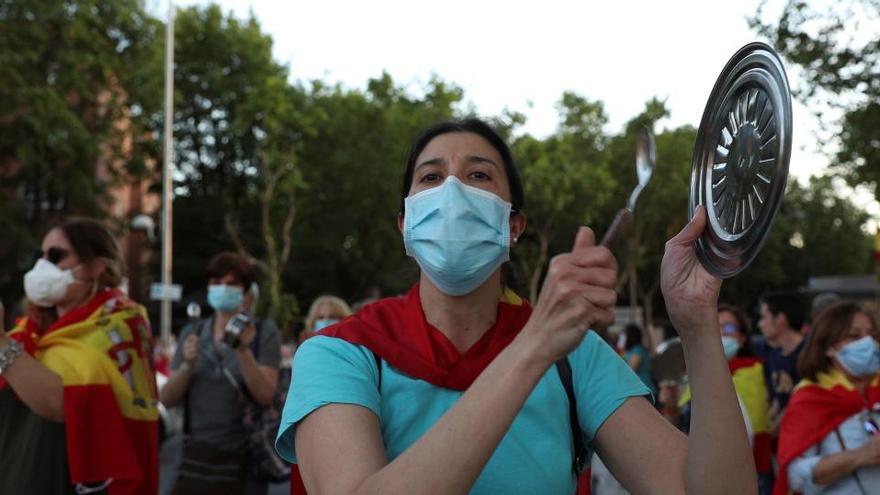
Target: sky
[[522, 55]]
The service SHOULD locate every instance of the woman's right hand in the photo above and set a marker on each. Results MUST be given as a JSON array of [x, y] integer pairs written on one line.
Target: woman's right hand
[[191, 350], [578, 294]]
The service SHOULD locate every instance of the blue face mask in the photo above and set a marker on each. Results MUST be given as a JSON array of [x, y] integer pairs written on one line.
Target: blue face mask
[[225, 298], [861, 357], [323, 323], [458, 234], [730, 345]]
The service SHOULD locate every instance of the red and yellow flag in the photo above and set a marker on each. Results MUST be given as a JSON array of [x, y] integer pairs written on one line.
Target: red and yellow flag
[[102, 351], [751, 387]]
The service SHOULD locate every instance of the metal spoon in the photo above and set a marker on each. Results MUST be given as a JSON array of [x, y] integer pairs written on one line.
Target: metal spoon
[[646, 154]]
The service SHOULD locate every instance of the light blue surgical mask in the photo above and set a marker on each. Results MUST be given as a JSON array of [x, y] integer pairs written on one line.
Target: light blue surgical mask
[[323, 323], [458, 234], [860, 357], [730, 345], [225, 298]]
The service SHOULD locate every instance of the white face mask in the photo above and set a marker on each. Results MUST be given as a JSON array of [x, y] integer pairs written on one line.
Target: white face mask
[[46, 284]]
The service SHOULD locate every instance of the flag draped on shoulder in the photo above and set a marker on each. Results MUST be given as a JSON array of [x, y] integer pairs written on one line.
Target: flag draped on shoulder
[[103, 353], [396, 330], [751, 387], [814, 411]]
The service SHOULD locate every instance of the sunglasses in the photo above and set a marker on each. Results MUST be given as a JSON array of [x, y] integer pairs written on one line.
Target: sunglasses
[[729, 329], [54, 255]]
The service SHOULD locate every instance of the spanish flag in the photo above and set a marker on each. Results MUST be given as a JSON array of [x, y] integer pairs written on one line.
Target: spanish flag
[[814, 411], [102, 351]]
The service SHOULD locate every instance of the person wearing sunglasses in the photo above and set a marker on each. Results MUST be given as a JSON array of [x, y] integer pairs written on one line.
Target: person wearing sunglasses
[[828, 440], [77, 391]]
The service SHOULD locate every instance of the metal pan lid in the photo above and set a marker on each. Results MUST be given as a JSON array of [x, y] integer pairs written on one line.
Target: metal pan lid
[[741, 157]]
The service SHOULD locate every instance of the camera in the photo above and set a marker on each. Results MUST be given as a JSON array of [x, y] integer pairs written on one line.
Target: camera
[[234, 327]]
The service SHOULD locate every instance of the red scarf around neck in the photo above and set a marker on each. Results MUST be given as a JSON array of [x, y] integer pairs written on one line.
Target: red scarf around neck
[[397, 331]]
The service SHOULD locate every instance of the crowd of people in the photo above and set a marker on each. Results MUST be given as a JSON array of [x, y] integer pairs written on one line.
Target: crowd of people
[[457, 386]]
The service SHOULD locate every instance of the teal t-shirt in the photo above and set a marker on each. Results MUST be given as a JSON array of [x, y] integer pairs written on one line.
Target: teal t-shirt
[[534, 456]]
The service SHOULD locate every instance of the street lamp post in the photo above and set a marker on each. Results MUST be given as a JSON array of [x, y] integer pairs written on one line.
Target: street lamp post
[[168, 168]]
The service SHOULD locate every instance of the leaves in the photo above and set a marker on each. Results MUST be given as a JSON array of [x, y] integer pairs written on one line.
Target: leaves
[[838, 54], [78, 94], [307, 175]]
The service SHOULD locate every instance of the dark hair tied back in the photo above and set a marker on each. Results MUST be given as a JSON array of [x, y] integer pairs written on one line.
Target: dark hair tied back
[[475, 126]]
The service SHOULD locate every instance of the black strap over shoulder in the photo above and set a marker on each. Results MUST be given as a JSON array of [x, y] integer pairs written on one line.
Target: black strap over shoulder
[[855, 474], [580, 449], [379, 368], [564, 368]]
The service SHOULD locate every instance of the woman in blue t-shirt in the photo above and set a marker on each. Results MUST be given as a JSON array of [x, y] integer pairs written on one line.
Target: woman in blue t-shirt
[[452, 387]]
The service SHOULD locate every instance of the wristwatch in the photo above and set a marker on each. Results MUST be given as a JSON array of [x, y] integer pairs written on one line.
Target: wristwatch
[[8, 352]]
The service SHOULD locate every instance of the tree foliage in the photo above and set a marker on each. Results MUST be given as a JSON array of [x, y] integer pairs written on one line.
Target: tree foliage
[[837, 50], [306, 177], [81, 86], [566, 179]]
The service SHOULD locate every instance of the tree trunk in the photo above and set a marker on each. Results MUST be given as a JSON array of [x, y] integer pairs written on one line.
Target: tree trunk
[[648, 307], [272, 258]]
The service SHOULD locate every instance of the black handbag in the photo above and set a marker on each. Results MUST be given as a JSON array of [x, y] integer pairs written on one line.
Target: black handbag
[[263, 463], [262, 424]]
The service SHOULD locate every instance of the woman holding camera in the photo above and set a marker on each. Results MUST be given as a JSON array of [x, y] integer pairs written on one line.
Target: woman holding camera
[[222, 364]]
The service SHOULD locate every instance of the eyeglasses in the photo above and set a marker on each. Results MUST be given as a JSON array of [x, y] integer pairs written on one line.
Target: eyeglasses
[[729, 329], [54, 255]]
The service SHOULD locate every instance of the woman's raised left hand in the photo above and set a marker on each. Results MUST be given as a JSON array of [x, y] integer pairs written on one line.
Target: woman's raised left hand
[[690, 292]]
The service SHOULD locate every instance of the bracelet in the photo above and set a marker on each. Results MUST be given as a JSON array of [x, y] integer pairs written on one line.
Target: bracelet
[[8, 352]]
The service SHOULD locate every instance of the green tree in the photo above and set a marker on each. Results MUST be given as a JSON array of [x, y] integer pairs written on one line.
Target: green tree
[[220, 63], [307, 176], [280, 127], [237, 128], [566, 179], [348, 235], [817, 232], [837, 51], [81, 86], [663, 211]]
